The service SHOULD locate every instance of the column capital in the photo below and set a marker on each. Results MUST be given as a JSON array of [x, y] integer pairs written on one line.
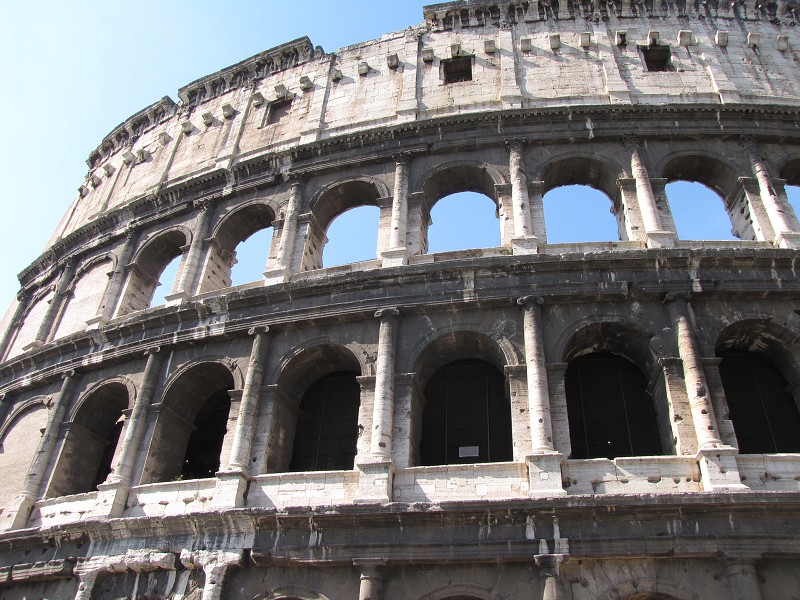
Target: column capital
[[515, 143], [747, 142], [203, 204], [258, 329], [550, 564], [70, 374], [297, 178], [528, 301], [155, 350], [631, 141], [402, 158], [679, 295], [389, 313]]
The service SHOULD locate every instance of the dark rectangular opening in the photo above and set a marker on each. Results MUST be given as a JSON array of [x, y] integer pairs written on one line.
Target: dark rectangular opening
[[457, 69], [657, 58]]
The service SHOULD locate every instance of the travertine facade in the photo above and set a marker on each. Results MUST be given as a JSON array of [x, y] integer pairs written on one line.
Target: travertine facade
[[173, 451]]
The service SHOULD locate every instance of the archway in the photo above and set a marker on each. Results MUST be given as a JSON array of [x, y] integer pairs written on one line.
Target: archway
[[352, 236], [463, 221], [596, 222], [698, 212]]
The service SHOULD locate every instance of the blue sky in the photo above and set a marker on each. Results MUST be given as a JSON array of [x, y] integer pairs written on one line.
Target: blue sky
[[74, 70]]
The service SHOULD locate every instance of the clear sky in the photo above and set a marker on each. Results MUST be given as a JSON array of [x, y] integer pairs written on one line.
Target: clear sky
[[73, 70]]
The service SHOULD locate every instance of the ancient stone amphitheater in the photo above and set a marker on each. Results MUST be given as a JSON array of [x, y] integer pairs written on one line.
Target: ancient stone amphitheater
[[576, 421]]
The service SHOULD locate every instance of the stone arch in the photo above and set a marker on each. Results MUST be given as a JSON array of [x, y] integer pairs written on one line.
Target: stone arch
[[318, 357], [292, 592], [91, 437], [580, 168], [764, 336], [153, 255], [19, 437], [317, 438], [647, 589], [233, 228], [790, 171], [711, 170], [440, 367], [85, 291], [332, 201], [611, 370], [461, 591], [193, 418], [125, 382], [33, 314]]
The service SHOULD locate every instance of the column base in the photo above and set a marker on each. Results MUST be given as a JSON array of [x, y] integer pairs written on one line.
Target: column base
[[719, 471], [230, 489], [375, 481], [111, 500], [33, 345], [95, 323], [16, 513], [788, 239], [396, 257], [176, 298], [660, 239], [525, 245], [544, 474], [275, 276]]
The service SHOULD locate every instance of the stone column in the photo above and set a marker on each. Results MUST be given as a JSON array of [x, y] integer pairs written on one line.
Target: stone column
[[524, 241], [535, 197], [16, 514], [742, 578], [397, 254], [717, 461], [785, 237], [549, 567], [215, 564], [544, 463], [113, 292], [538, 397], [189, 273], [288, 234], [371, 579], [60, 295], [381, 437], [655, 235], [135, 429], [242, 439]]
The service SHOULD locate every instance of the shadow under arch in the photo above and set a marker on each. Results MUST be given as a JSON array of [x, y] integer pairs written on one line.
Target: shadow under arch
[[90, 439], [191, 423], [460, 591], [711, 171], [451, 178], [341, 196], [614, 337], [582, 169], [790, 171], [764, 337], [648, 589], [291, 592], [235, 227]]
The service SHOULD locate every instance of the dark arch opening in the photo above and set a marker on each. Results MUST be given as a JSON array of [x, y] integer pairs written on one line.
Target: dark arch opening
[[90, 442], [610, 412], [327, 427], [463, 221], [698, 212], [466, 417], [764, 414], [594, 223], [191, 426]]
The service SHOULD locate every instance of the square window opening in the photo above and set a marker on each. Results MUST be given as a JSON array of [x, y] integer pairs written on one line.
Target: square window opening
[[657, 58], [277, 111], [457, 69]]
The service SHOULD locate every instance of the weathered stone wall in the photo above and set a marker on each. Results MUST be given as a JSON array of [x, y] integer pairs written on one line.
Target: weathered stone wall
[[292, 138]]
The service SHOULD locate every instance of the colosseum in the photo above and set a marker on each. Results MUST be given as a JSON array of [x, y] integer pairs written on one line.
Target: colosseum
[[574, 421]]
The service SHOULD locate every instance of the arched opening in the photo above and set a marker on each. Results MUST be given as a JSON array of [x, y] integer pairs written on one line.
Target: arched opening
[[90, 442], [242, 244], [327, 428], [610, 412], [352, 236], [318, 413], [466, 417], [694, 208], [578, 213], [791, 173], [87, 294], [698, 212], [578, 190], [460, 209], [24, 424], [166, 282], [156, 266], [191, 426], [336, 203], [463, 221]]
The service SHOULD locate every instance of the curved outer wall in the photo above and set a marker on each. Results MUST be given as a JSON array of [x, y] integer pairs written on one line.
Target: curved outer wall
[[293, 137]]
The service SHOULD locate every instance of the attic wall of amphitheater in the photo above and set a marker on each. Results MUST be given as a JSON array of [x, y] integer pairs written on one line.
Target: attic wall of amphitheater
[[165, 448]]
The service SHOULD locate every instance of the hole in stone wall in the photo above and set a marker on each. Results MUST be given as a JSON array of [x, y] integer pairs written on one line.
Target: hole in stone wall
[[578, 213], [166, 282], [467, 417], [463, 221], [657, 58], [251, 257], [699, 213], [352, 236], [457, 69]]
